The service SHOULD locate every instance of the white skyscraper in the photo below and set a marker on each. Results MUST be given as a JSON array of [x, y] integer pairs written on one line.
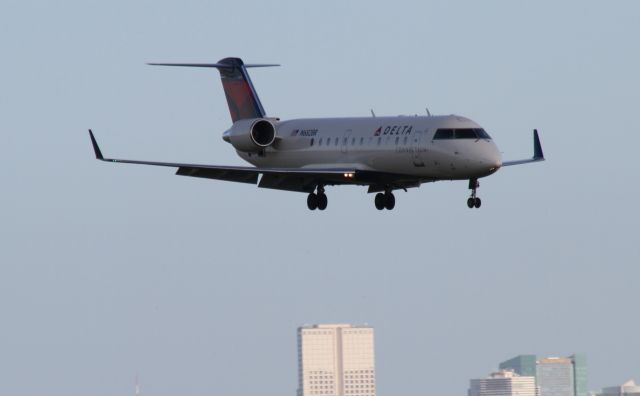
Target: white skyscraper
[[336, 360], [503, 383]]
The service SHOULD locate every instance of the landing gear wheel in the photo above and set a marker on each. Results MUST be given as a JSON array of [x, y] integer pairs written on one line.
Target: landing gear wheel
[[380, 201], [389, 201], [473, 201], [312, 201], [322, 201]]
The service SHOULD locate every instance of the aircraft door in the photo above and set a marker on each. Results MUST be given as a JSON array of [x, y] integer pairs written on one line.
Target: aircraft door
[[344, 144], [417, 149]]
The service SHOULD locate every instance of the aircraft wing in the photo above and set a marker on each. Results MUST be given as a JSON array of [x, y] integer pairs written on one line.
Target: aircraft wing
[[538, 155], [291, 179]]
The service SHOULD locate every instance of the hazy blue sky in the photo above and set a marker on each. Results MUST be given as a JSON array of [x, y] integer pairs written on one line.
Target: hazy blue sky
[[111, 270]]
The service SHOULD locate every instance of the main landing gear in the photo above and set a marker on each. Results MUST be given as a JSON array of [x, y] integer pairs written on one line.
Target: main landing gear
[[317, 201], [385, 201], [473, 201]]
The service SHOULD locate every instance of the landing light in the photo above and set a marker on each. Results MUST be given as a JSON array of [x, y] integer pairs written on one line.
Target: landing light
[[348, 175]]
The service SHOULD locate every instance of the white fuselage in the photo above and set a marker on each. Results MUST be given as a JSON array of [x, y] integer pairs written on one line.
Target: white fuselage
[[399, 145]]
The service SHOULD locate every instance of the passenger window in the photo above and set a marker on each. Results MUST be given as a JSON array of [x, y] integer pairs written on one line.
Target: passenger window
[[361, 140], [353, 141], [320, 142], [466, 133], [397, 140], [442, 134], [337, 140], [311, 142], [344, 141]]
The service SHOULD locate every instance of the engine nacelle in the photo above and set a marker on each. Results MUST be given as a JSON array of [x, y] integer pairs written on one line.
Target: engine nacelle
[[251, 135]]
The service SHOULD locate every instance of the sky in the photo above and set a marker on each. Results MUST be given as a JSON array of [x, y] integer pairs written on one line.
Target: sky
[[197, 286]]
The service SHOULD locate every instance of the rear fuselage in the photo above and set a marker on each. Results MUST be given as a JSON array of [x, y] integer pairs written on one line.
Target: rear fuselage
[[409, 145]]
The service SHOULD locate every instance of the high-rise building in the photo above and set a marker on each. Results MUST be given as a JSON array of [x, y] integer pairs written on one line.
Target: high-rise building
[[629, 388], [503, 383], [522, 364], [336, 360], [554, 376], [579, 362]]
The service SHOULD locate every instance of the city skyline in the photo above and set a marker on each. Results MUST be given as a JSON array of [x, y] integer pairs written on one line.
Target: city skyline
[[555, 376], [628, 388], [503, 383]]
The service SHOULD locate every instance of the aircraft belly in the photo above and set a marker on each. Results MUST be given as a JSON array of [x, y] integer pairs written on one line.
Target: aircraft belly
[[435, 164], [372, 160]]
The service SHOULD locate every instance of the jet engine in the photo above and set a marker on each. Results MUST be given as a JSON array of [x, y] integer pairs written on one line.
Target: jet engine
[[251, 135]]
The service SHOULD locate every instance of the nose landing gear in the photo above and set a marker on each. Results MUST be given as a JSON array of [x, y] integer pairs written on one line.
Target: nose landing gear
[[473, 201], [385, 201], [317, 201]]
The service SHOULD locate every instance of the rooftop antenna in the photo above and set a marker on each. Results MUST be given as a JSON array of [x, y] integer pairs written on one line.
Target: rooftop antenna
[[373, 114], [428, 112], [137, 387]]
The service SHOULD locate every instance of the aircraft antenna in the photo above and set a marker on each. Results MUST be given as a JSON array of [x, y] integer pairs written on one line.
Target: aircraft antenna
[[428, 112], [373, 114]]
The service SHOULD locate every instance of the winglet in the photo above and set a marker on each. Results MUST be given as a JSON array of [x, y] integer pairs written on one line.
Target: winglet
[[96, 149], [537, 147], [538, 155]]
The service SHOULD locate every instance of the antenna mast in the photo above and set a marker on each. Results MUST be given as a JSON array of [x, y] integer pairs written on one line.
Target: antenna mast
[[137, 388]]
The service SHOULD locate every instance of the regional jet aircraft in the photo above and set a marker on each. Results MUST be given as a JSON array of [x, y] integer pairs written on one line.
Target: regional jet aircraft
[[309, 154]]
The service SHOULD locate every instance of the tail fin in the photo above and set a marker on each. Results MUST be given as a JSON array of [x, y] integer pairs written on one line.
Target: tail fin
[[241, 96]]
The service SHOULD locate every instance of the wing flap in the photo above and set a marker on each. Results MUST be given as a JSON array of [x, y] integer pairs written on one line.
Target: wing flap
[[241, 176], [300, 183]]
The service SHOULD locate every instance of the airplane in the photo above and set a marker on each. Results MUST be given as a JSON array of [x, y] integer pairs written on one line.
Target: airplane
[[308, 154]]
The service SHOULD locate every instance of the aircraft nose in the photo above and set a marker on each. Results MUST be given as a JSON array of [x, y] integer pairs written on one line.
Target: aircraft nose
[[495, 161], [492, 159]]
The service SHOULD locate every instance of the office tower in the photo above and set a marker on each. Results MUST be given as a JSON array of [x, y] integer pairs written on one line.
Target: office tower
[[524, 365], [336, 360], [579, 362], [560, 376], [629, 388], [554, 376], [503, 383]]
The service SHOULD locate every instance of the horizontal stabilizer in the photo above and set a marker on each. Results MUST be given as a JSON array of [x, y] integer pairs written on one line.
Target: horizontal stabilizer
[[242, 98], [214, 65]]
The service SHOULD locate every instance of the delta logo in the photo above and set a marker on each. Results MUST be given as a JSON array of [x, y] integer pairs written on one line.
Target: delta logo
[[394, 130]]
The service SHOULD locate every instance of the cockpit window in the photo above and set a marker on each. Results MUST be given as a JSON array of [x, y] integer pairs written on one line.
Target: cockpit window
[[482, 134], [461, 133], [467, 133], [443, 134]]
